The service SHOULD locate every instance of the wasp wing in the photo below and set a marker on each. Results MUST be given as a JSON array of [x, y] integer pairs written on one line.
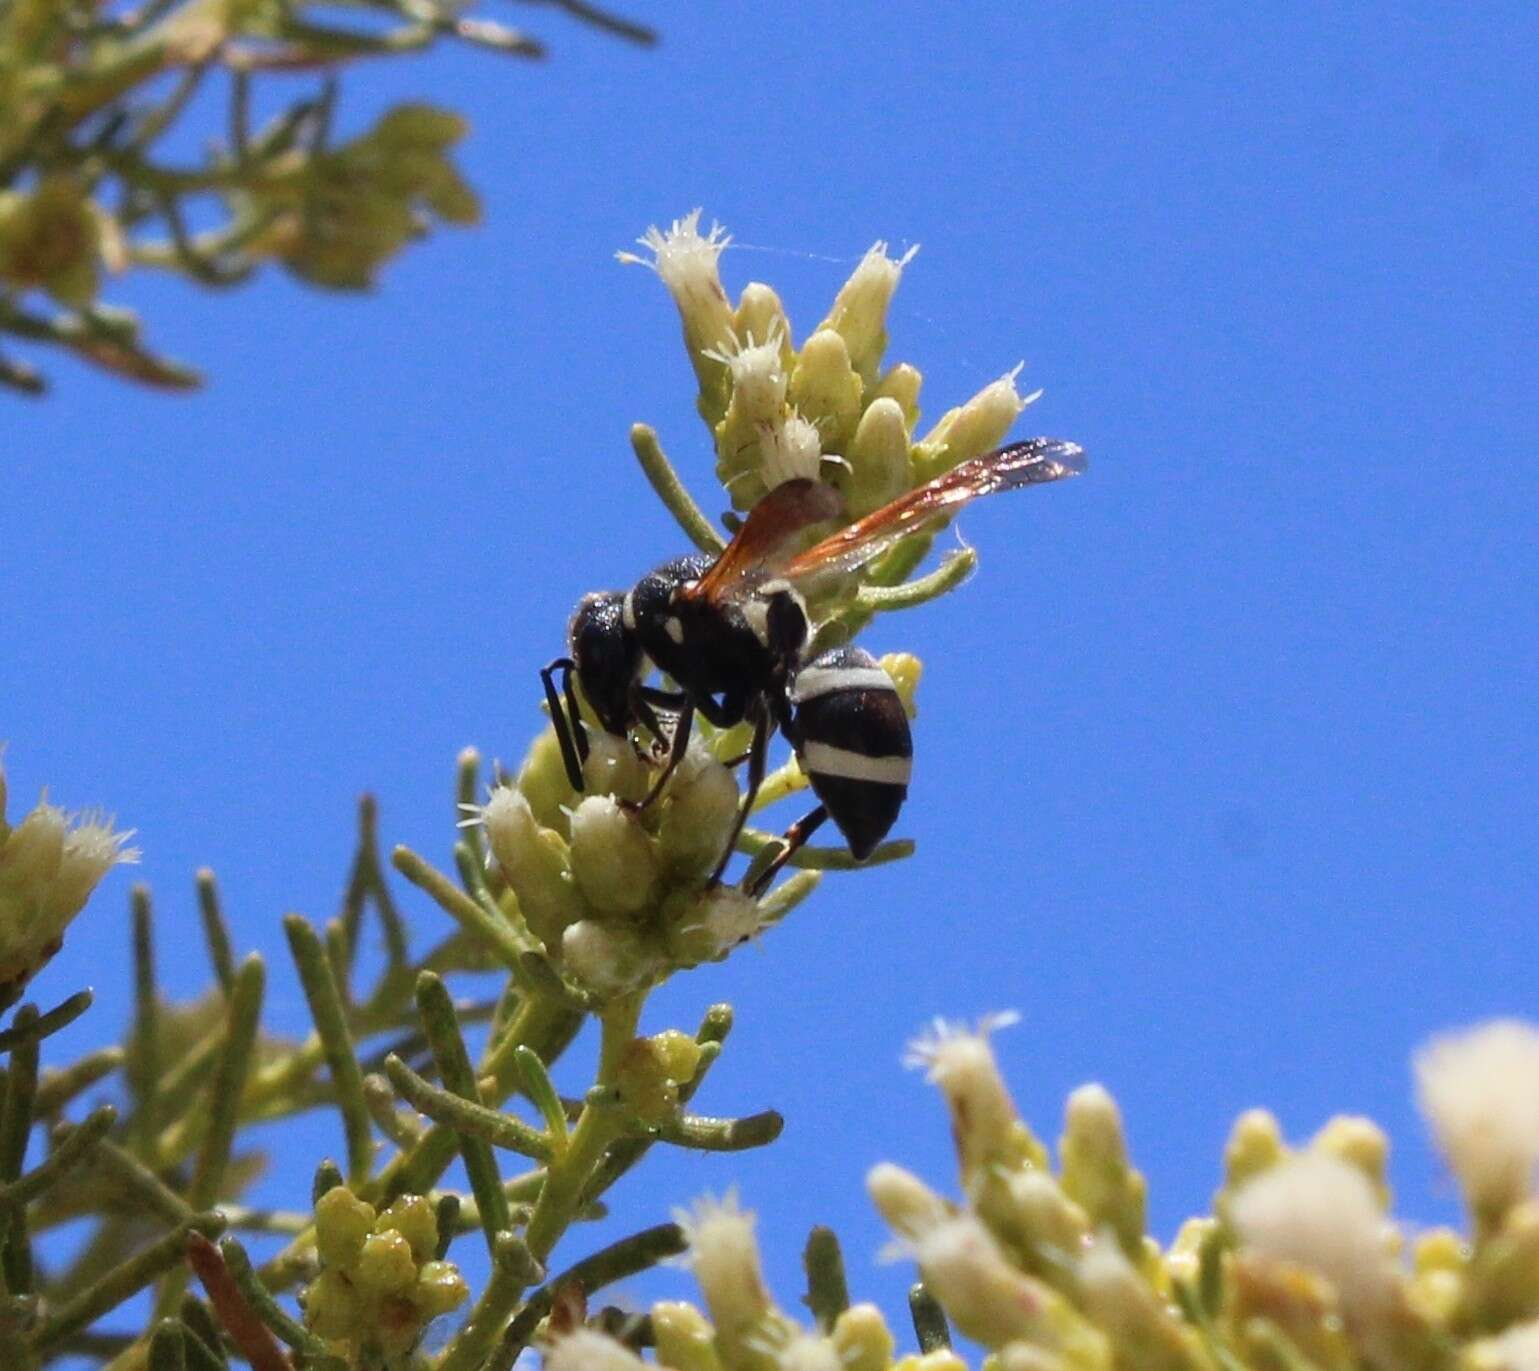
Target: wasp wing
[[1032, 462], [767, 540]]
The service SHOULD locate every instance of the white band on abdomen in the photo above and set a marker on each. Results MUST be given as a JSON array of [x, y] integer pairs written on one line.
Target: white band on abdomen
[[827, 760], [822, 680]]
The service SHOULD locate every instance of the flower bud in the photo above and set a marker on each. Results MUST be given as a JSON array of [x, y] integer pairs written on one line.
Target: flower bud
[[1031, 1210], [439, 1288], [1095, 1169], [983, 1294], [971, 429], [1121, 1302], [760, 314], [650, 1072], [825, 389], [1255, 1145], [608, 959], [905, 670], [900, 383], [859, 314], [879, 469], [612, 857], [385, 1265], [1480, 1092], [703, 926], [413, 1218], [688, 265], [342, 1222], [906, 1202], [861, 1340], [51, 239], [542, 781], [536, 864], [698, 813], [614, 768], [685, 1341], [1360, 1143]]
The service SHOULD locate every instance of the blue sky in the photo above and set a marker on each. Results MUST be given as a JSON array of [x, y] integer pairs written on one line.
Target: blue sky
[[1226, 755]]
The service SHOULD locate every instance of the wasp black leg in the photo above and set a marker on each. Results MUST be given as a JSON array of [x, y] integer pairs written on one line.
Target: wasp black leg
[[677, 747], [571, 737], [756, 756], [794, 839]]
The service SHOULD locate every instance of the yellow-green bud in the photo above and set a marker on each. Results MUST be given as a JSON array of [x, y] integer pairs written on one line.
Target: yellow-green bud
[[543, 783], [1255, 1145], [1140, 1324], [826, 390], [646, 1085], [536, 864], [698, 814], [861, 1339], [906, 1202], [413, 1218], [385, 1265], [879, 466], [332, 1306], [859, 314], [685, 1341], [608, 959], [612, 857], [971, 429], [1034, 1206], [439, 1288], [51, 239], [761, 315], [901, 383], [614, 768], [905, 670], [342, 1222], [1095, 1169], [702, 926], [986, 1297], [1360, 1143]]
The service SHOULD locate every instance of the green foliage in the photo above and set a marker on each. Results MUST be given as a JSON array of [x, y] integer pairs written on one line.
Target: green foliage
[[92, 95]]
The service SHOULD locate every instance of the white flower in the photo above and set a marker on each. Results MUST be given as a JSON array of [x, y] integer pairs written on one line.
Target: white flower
[[608, 959], [49, 864], [585, 1349], [797, 1350], [1516, 1349], [725, 1260], [1320, 1213], [688, 265], [961, 1062], [758, 376], [788, 451], [1480, 1092], [612, 856]]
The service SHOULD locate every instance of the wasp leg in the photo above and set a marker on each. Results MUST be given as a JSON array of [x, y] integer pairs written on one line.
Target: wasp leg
[[677, 747], [794, 838], [756, 756], [571, 737]]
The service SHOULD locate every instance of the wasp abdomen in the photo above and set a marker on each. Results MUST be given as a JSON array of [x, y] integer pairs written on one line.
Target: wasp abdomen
[[853, 740]]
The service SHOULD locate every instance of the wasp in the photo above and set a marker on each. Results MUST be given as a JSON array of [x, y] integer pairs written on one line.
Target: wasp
[[731, 634]]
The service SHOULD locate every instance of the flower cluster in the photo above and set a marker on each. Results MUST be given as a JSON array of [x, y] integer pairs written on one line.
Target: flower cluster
[[1299, 1268], [381, 1280], [50, 862], [833, 408]]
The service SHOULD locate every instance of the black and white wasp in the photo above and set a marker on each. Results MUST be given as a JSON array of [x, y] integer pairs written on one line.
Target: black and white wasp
[[731, 632]]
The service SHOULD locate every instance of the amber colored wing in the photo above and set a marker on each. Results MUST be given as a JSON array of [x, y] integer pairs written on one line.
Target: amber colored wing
[[766, 541], [1020, 464]]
